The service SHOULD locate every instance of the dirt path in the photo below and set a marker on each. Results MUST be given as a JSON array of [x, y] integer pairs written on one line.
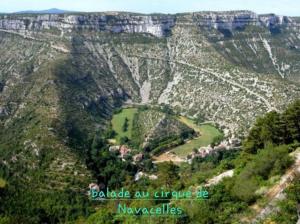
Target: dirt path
[[217, 179], [275, 193], [217, 75], [168, 157], [59, 48]]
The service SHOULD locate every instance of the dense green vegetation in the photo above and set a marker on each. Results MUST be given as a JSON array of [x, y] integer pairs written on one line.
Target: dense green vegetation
[[107, 167], [289, 206], [26, 202], [229, 200], [269, 162], [275, 129], [43, 179]]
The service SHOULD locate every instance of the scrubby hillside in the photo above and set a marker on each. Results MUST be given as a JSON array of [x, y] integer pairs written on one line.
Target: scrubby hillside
[[62, 76], [219, 65]]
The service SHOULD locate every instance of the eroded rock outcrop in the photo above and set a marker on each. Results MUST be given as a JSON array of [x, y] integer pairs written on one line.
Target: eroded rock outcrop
[[157, 25]]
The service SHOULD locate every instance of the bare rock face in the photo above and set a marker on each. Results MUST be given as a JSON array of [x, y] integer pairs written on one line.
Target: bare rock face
[[156, 25], [239, 20]]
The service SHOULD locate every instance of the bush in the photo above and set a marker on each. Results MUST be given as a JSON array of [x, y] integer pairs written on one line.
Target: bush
[[268, 162], [125, 125], [124, 140], [288, 207], [109, 134], [117, 111]]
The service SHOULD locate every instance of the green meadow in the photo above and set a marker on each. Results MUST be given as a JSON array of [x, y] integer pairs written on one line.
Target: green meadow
[[207, 135], [118, 122]]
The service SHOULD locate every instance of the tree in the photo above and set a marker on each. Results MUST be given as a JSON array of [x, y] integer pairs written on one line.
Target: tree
[[291, 118], [167, 109], [217, 140], [267, 130], [200, 119], [268, 162], [168, 172], [125, 125], [97, 144], [245, 187], [274, 129], [109, 133], [124, 140]]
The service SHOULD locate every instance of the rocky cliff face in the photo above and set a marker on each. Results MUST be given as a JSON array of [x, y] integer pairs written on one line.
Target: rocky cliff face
[[157, 25], [240, 19]]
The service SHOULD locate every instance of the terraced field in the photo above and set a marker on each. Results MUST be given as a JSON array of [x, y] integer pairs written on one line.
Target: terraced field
[[206, 132]]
